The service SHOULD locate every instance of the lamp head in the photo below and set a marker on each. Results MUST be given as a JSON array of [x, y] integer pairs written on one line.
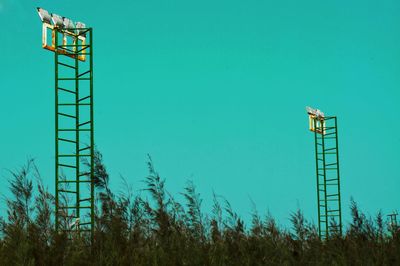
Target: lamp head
[[57, 20], [44, 15]]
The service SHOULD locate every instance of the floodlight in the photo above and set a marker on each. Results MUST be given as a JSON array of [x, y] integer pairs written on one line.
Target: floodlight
[[315, 112], [68, 24], [80, 26], [310, 110], [44, 15], [57, 20]]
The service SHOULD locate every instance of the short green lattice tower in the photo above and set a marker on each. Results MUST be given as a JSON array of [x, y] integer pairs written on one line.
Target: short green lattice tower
[[72, 44], [327, 171]]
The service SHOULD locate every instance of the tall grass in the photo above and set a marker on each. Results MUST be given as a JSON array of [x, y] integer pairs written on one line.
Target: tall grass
[[152, 228]]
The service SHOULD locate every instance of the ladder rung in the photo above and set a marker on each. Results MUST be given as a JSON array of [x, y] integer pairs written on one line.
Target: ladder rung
[[330, 149], [86, 148], [73, 78], [83, 224], [83, 174], [73, 104], [66, 165], [74, 155], [66, 191], [84, 123], [74, 181], [84, 73], [332, 179], [67, 115], [67, 140], [74, 207], [86, 199], [66, 65], [332, 195], [84, 98], [73, 92], [84, 48], [72, 129], [329, 164]]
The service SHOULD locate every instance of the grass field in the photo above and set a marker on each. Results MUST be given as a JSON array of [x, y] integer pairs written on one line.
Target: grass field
[[154, 229]]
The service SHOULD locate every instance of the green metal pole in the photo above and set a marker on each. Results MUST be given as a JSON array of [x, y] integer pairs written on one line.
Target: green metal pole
[[325, 194], [91, 137], [316, 159], [56, 127], [337, 160], [77, 129]]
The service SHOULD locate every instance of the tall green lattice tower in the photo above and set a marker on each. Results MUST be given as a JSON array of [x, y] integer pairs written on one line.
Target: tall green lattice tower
[[327, 171], [72, 44]]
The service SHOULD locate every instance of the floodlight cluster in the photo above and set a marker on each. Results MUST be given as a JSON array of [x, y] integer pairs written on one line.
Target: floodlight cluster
[[316, 112], [60, 22]]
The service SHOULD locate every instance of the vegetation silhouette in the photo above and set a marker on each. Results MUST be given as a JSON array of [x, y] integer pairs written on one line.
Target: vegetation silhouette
[[131, 229]]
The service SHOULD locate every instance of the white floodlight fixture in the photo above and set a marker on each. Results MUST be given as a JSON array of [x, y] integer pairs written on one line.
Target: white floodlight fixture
[[310, 110], [68, 24], [80, 26], [57, 20], [315, 112], [320, 114], [44, 15]]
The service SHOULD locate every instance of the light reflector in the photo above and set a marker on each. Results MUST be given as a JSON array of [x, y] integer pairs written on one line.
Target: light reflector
[[44, 15], [68, 24], [57, 20], [80, 26]]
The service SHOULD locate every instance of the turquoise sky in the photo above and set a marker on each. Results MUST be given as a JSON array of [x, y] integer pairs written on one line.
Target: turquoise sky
[[215, 91]]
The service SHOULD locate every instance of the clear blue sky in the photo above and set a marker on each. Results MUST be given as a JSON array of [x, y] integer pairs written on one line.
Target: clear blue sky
[[215, 91]]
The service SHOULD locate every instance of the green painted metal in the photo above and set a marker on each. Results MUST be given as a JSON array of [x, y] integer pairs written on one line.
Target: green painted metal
[[393, 225], [56, 133], [328, 177], [91, 137], [74, 135]]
